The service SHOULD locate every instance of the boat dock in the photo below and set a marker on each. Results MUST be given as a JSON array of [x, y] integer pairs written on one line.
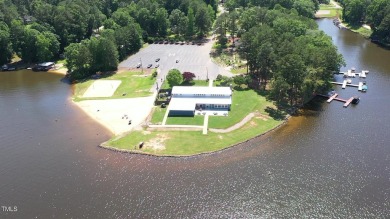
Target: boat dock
[[345, 84], [352, 74], [334, 97]]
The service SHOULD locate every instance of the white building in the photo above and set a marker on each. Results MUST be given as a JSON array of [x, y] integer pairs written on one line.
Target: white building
[[186, 99]]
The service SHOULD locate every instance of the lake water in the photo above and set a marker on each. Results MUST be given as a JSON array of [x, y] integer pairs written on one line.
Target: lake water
[[329, 162]]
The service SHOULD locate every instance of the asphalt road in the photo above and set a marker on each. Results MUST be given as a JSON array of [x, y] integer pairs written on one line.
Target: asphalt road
[[192, 58]]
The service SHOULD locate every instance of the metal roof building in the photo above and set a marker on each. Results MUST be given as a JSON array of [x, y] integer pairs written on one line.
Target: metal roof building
[[186, 99]]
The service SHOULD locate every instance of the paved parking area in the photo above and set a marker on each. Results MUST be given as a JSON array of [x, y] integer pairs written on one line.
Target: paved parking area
[[192, 58]]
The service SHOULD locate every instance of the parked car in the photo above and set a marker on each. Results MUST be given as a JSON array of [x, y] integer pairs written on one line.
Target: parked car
[[149, 66], [177, 60], [138, 65], [158, 65], [158, 59]]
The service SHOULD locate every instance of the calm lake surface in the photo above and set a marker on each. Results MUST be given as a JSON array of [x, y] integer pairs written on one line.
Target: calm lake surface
[[329, 162]]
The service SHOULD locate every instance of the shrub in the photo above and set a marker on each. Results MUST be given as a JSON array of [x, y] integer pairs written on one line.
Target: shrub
[[188, 76]]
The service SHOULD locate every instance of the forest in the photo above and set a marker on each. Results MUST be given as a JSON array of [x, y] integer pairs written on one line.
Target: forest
[[285, 52], [287, 56], [375, 13], [94, 35]]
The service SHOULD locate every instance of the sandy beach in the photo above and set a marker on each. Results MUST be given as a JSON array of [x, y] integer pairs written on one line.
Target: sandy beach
[[115, 114]]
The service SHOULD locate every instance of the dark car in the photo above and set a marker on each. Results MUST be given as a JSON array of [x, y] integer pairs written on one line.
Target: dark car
[[158, 59], [138, 65], [149, 66]]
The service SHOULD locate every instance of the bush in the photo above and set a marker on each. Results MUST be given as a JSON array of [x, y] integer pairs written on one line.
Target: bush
[[154, 74], [219, 77]]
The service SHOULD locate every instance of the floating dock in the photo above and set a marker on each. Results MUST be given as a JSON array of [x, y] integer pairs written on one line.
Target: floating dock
[[352, 74], [346, 84]]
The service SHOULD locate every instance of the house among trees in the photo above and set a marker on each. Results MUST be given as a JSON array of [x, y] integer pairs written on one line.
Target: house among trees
[[187, 99]]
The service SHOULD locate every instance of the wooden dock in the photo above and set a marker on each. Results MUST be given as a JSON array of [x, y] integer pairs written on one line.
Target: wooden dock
[[346, 104], [334, 97], [331, 98]]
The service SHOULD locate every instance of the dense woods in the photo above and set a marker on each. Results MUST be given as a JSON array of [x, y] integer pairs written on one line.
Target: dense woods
[[94, 35], [376, 13], [285, 52]]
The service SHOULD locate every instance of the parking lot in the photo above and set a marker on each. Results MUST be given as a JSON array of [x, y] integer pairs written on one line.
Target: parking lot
[[192, 58]]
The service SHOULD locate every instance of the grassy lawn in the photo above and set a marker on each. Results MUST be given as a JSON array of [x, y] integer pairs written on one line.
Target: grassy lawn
[[133, 85], [165, 85], [192, 142], [334, 12], [359, 29], [196, 120], [239, 70], [158, 115], [243, 103]]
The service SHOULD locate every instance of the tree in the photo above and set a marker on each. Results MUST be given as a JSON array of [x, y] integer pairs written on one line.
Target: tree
[[78, 60], [305, 7], [128, 40], [174, 77], [191, 23], [178, 22], [47, 46], [121, 17], [240, 80], [354, 11], [161, 22], [202, 21], [5, 44], [188, 76]]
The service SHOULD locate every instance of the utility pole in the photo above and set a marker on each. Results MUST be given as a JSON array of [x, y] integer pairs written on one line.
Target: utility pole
[[142, 69]]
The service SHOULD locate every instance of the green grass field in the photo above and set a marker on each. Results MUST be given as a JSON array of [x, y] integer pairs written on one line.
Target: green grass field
[[134, 84], [191, 142], [194, 142], [334, 12]]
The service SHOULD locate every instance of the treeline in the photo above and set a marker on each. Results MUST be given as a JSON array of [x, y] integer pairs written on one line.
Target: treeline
[[41, 30], [376, 13], [285, 52]]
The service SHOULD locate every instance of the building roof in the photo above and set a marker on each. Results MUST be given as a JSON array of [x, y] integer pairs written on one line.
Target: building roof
[[46, 64], [201, 90]]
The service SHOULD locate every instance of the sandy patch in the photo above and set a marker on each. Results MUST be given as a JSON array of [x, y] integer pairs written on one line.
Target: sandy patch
[[366, 26], [115, 114], [102, 88], [157, 143]]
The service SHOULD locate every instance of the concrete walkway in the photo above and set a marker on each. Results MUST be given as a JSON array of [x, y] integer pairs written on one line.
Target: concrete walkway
[[205, 124]]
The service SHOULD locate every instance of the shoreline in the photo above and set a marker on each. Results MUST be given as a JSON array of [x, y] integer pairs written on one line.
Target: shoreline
[[114, 114], [107, 147]]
